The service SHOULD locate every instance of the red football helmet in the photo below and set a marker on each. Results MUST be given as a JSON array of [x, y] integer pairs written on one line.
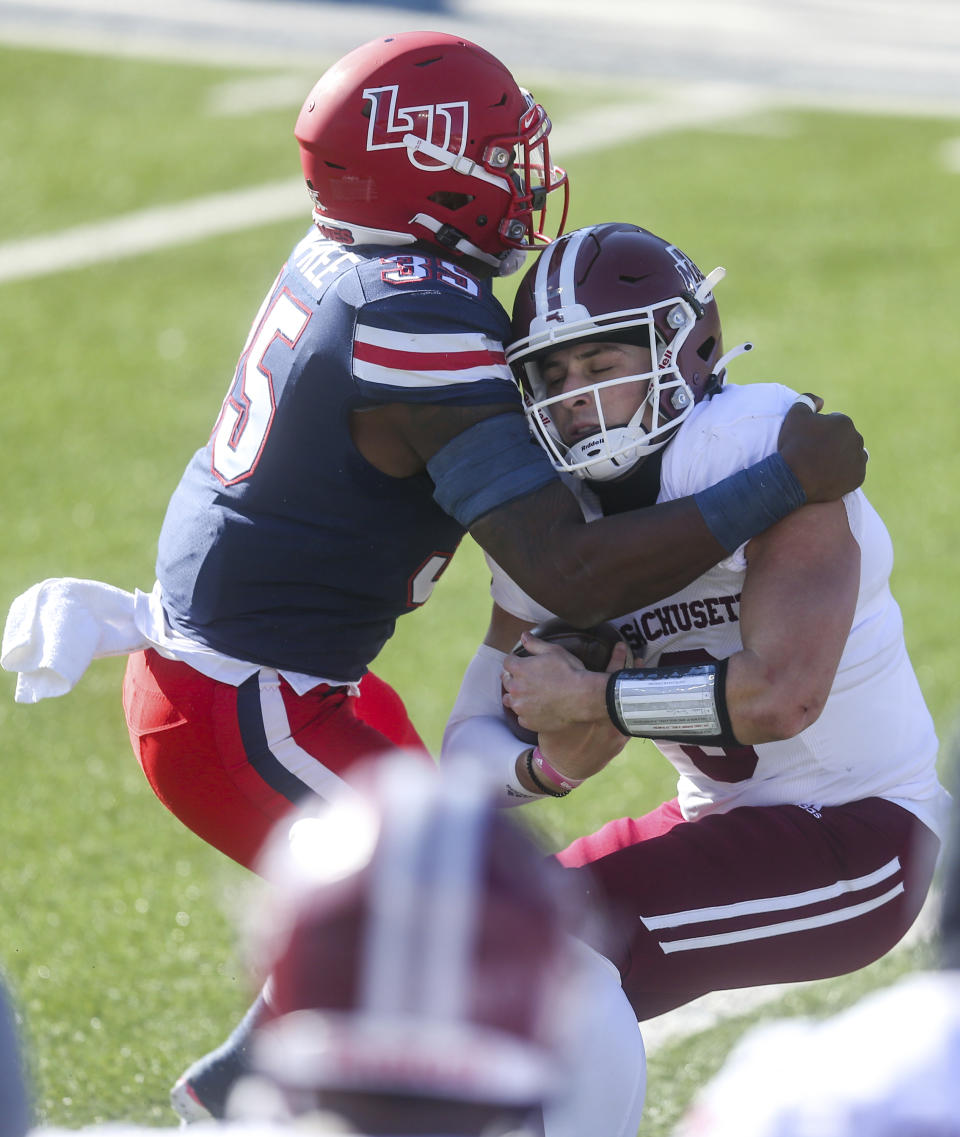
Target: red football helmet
[[618, 282], [417, 945], [426, 137]]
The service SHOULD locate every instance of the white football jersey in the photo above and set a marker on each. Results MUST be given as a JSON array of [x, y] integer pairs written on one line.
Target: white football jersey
[[875, 737]]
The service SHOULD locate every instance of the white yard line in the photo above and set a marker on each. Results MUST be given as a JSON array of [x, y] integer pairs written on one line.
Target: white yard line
[[669, 108], [713, 64], [950, 155], [151, 229]]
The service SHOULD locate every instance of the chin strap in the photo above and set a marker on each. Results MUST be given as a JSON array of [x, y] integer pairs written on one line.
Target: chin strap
[[452, 238], [506, 263], [458, 162], [512, 261]]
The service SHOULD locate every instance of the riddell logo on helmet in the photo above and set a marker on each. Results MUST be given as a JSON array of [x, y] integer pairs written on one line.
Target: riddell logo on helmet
[[335, 233], [441, 124]]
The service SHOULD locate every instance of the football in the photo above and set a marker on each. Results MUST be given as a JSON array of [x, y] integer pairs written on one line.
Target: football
[[592, 646]]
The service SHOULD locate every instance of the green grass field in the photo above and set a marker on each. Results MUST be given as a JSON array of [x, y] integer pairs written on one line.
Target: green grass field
[[117, 932]]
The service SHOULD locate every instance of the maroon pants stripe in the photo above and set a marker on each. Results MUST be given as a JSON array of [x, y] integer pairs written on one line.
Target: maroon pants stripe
[[763, 894]]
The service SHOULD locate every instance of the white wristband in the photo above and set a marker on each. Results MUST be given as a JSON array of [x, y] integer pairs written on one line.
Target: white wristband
[[513, 787]]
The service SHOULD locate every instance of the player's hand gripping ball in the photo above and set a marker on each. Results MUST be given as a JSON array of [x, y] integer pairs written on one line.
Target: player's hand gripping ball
[[592, 646]]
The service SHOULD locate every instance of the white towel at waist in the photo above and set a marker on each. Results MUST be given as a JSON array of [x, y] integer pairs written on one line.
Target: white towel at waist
[[56, 629], [58, 626]]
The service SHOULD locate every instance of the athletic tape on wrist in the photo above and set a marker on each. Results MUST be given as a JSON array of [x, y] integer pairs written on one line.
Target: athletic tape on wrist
[[491, 463], [675, 704], [750, 501]]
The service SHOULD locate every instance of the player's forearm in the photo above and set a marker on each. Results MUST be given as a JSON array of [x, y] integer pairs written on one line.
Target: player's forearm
[[487, 739], [579, 752], [565, 755], [589, 573], [740, 701], [637, 558]]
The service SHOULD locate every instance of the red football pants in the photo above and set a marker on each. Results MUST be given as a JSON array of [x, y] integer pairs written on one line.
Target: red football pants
[[763, 894], [230, 761]]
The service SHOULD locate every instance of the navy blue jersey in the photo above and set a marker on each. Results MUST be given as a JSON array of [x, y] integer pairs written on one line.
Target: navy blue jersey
[[282, 545]]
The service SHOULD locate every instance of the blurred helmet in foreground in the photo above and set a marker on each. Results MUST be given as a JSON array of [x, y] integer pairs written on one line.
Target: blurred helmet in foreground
[[417, 944]]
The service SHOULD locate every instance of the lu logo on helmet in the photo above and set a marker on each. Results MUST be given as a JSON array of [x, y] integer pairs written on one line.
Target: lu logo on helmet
[[443, 125]]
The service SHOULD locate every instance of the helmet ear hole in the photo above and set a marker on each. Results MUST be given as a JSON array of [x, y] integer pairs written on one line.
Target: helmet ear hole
[[451, 201], [705, 350]]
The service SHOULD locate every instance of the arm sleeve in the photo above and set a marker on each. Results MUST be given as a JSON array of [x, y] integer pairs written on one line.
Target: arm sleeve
[[477, 730]]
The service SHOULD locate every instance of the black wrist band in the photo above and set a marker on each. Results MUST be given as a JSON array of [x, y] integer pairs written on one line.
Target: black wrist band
[[542, 786]]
